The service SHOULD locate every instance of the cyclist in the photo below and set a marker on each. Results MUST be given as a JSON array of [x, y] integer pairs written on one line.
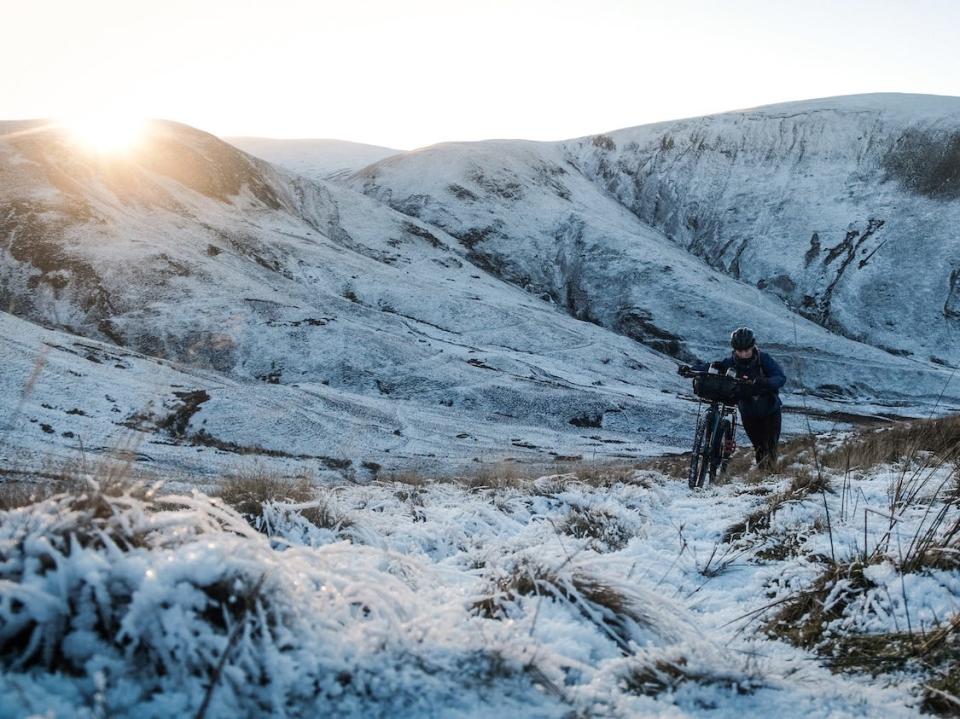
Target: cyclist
[[759, 401]]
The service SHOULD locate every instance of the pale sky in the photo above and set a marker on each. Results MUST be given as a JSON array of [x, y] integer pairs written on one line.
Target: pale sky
[[407, 73]]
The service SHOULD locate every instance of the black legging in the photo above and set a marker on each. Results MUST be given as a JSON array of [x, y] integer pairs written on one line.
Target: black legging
[[764, 433]]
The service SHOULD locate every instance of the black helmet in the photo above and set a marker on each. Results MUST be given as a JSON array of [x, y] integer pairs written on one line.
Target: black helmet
[[742, 338]]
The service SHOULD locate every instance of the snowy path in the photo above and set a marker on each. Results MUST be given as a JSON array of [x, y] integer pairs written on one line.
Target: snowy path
[[699, 591]]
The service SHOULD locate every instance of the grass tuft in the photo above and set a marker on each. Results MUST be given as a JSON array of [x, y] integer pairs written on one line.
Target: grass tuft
[[804, 618], [613, 613], [666, 676], [254, 493], [604, 530], [250, 491], [803, 483]]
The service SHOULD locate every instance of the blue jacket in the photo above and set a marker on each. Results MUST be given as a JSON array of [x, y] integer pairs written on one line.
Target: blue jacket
[[769, 378]]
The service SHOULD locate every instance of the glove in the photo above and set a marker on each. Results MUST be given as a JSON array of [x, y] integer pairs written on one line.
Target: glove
[[684, 370]]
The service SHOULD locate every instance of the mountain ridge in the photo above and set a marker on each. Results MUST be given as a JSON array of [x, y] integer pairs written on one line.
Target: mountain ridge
[[623, 170]]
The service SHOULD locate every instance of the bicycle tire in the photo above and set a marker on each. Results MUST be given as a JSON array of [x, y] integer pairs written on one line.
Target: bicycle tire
[[693, 475], [706, 452], [700, 458], [717, 464]]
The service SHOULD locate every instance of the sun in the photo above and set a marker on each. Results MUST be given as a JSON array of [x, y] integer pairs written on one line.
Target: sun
[[107, 134]]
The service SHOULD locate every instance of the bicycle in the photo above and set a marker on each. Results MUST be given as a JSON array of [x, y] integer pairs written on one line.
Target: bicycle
[[714, 440]]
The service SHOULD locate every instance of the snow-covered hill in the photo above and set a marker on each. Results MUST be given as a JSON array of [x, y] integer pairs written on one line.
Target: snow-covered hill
[[317, 159], [354, 331], [605, 227], [845, 208]]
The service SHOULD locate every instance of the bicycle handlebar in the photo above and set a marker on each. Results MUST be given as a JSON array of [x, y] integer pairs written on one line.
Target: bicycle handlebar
[[694, 373]]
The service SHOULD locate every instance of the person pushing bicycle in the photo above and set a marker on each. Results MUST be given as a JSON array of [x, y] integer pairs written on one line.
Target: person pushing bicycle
[[758, 399]]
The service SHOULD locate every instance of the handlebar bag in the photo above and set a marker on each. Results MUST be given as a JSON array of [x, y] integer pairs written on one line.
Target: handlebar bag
[[715, 387]]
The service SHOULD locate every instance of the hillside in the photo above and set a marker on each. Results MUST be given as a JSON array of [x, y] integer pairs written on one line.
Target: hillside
[[788, 218], [844, 208], [310, 296]]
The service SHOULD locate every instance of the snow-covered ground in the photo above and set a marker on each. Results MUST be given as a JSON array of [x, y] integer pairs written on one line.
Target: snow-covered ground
[[546, 598], [74, 400]]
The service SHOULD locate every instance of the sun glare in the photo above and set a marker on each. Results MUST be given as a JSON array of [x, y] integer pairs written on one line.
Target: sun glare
[[105, 134]]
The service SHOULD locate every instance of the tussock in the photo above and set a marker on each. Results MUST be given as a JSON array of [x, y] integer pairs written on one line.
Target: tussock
[[250, 491], [825, 617], [605, 530], [606, 607], [666, 675], [106, 517], [14, 494], [276, 506], [777, 548], [802, 484], [177, 599], [804, 618]]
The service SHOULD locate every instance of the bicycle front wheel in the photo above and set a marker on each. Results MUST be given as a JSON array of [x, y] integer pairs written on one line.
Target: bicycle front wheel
[[694, 476], [700, 460]]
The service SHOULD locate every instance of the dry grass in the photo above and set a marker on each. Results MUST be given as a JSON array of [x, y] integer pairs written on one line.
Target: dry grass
[[499, 475], [803, 619], [935, 544], [802, 484], [111, 476], [93, 506], [742, 464], [665, 676], [781, 547], [904, 441], [514, 475], [496, 475], [599, 474], [605, 607], [604, 530], [16, 494], [110, 515], [248, 492]]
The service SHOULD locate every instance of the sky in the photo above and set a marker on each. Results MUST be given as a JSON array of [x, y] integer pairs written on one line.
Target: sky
[[408, 73]]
